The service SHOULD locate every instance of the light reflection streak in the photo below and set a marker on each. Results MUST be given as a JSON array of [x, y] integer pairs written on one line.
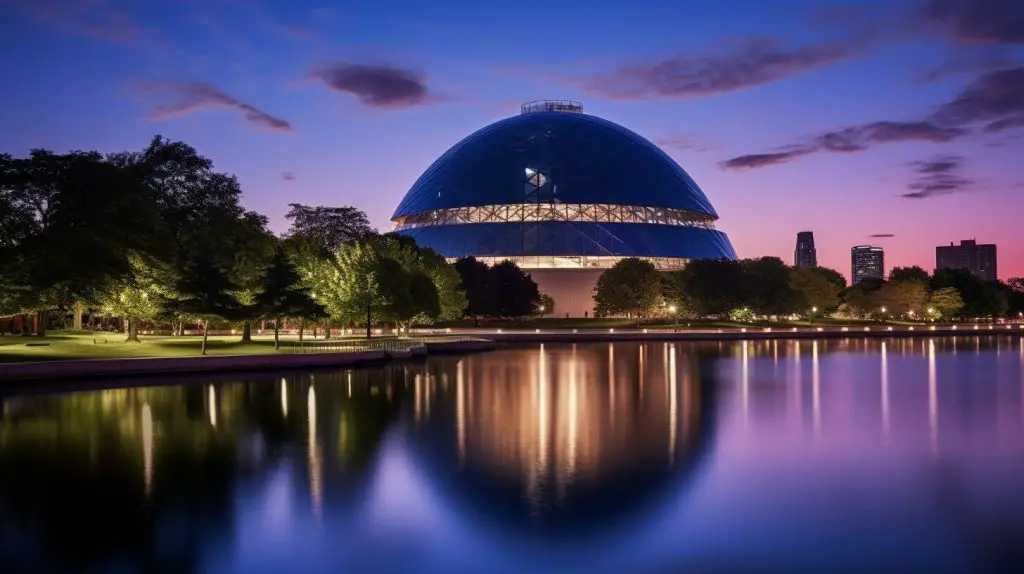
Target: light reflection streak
[[350, 384], [211, 400], [673, 415], [744, 381], [885, 390], [611, 382], [933, 398], [147, 447], [315, 485], [460, 411], [816, 387], [284, 397]]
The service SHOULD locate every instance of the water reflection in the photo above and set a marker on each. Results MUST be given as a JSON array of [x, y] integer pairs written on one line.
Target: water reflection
[[853, 454]]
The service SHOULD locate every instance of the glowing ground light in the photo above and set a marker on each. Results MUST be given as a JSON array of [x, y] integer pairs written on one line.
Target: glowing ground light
[[645, 331], [888, 329], [575, 331], [767, 329], [867, 328], [845, 329], [954, 327], [820, 329], [611, 330], [536, 331], [743, 330]]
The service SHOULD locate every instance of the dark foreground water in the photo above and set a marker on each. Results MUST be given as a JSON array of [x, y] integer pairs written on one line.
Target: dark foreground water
[[905, 456]]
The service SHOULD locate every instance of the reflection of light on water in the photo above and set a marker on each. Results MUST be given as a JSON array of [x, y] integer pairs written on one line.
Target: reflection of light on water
[[933, 399], [643, 373], [611, 380], [417, 392], [885, 390], [673, 422], [744, 381], [574, 406], [212, 405], [284, 397], [147, 447], [315, 486], [460, 411], [350, 384], [816, 387]]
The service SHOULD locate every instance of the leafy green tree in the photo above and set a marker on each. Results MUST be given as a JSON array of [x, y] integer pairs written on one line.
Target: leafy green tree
[[835, 277], [630, 287], [904, 297], [547, 305], [980, 299], [204, 291], [913, 273], [814, 288], [516, 294], [944, 303], [329, 228], [138, 297], [476, 279], [451, 299], [712, 286], [769, 291], [281, 295], [865, 298]]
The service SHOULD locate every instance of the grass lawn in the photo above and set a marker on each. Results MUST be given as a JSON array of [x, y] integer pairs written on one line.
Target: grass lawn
[[60, 346]]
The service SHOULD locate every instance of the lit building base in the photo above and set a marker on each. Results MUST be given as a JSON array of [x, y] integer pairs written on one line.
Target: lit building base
[[572, 289]]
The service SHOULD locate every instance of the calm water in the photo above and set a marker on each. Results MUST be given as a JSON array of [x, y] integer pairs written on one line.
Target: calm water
[[752, 457]]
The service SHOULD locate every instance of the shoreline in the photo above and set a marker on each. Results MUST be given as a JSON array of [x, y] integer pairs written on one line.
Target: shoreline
[[488, 339]]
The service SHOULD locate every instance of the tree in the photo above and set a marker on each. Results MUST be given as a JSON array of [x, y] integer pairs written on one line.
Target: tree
[[476, 279], [914, 273], [448, 293], [769, 292], [547, 305], [281, 295], [904, 297], [814, 288], [835, 277], [980, 299], [515, 292], [631, 287], [712, 286], [204, 291], [944, 303], [138, 297], [328, 227], [348, 284], [864, 298]]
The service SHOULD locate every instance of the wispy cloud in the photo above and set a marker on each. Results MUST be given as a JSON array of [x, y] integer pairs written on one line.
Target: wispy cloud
[[937, 176], [195, 96], [683, 142], [849, 140], [882, 235], [977, 21], [752, 62], [288, 176], [377, 86], [995, 98], [109, 20]]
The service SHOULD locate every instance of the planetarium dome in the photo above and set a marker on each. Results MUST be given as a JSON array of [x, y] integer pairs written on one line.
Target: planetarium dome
[[564, 195]]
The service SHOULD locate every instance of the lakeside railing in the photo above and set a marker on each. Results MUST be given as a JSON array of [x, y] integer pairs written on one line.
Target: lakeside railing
[[389, 345]]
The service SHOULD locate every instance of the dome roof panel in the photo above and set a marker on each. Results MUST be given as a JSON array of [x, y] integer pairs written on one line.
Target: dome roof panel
[[580, 159]]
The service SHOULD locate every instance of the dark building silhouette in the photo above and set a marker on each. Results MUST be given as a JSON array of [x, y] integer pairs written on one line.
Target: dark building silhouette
[[806, 255], [868, 263], [978, 259]]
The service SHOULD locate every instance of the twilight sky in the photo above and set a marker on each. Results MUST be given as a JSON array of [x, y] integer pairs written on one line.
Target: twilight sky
[[893, 122]]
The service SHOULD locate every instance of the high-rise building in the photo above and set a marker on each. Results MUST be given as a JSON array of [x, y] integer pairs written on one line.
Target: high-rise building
[[868, 263], [978, 259], [806, 255]]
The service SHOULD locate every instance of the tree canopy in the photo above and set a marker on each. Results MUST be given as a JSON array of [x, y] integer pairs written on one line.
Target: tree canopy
[[631, 287]]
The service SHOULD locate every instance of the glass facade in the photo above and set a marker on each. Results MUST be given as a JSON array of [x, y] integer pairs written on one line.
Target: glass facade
[[868, 263], [556, 188]]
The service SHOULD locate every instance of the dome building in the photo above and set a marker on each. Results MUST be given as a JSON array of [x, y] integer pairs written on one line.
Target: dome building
[[564, 195]]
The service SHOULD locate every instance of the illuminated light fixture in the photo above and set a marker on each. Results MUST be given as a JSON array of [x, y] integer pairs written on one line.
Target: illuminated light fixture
[[645, 331], [611, 330], [975, 327], [448, 330], [499, 330], [820, 329], [794, 329], [767, 329], [845, 329], [536, 331], [867, 328], [954, 327], [574, 331], [910, 329], [990, 327], [743, 330], [888, 329]]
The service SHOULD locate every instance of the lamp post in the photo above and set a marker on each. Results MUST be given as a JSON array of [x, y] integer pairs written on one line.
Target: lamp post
[[931, 313], [672, 312], [883, 314], [813, 311]]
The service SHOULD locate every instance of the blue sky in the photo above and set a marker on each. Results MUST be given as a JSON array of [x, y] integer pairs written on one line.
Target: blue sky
[[850, 119]]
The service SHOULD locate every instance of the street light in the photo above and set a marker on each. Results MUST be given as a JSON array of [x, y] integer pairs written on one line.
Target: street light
[[813, 311]]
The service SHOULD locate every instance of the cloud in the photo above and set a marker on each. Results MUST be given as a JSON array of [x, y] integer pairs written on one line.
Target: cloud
[[288, 176], [937, 176], [382, 87], [996, 97], [849, 140], [764, 159], [109, 20], [882, 235], [977, 21], [753, 62], [195, 96], [683, 142]]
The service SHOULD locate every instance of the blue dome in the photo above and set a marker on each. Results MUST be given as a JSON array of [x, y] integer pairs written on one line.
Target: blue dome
[[563, 184]]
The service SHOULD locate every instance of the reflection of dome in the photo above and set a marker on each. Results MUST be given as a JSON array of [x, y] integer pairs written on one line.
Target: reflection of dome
[[564, 440], [553, 188]]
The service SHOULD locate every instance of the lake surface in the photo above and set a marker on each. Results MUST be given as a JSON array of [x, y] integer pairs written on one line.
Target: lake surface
[[768, 456]]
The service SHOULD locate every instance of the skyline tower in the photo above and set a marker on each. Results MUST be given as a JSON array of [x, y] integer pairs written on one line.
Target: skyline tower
[[805, 255], [980, 260], [868, 262]]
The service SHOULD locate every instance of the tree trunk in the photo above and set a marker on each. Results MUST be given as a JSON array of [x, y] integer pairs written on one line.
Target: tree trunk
[[246, 333], [76, 316], [327, 330], [40, 323], [277, 339], [302, 328], [206, 330], [368, 309], [133, 331]]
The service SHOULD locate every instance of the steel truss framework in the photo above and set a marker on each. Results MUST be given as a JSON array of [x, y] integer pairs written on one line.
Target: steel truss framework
[[578, 261], [577, 212]]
